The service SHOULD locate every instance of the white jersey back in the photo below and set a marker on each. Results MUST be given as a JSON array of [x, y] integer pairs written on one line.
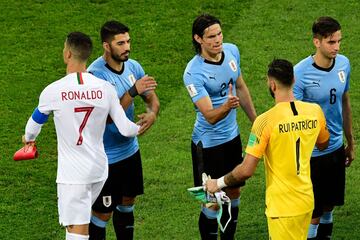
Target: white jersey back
[[81, 104]]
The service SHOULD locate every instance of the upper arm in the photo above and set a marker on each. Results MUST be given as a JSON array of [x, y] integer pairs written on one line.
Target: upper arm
[[298, 88], [259, 137]]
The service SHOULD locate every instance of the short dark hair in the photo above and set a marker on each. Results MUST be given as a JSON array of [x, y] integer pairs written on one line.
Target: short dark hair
[[112, 28], [199, 25], [80, 44], [282, 70], [324, 27]]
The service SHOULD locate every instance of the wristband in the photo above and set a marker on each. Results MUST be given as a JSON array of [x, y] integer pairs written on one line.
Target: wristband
[[133, 91], [221, 182]]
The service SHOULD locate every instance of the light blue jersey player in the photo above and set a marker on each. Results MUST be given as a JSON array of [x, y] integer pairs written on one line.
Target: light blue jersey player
[[118, 147], [125, 180], [326, 87], [216, 87], [203, 78], [324, 78]]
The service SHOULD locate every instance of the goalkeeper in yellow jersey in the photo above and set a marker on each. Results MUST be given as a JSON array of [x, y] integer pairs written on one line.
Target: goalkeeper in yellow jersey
[[285, 135]]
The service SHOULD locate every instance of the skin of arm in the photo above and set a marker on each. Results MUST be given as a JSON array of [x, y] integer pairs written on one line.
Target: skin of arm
[[240, 173], [246, 103], [347, 125], [148, 118], [213, 115]]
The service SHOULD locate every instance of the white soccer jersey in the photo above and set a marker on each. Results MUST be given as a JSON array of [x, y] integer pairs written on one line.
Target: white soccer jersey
[[81, 104]]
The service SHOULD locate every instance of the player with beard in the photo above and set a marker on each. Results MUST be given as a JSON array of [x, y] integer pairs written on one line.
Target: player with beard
[[125, 179]]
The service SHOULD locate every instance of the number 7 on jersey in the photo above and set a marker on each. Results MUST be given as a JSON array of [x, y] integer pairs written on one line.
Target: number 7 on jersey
[[88, 111]]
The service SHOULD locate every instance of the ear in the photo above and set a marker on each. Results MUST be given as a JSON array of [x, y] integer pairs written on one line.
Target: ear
[[316, 42], [106, 46], [198, 39], [273, 85]]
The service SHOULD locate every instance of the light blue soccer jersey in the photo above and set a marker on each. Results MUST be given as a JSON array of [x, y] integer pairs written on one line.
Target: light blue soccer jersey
[[326, 88], [118, 147], [203, 78]]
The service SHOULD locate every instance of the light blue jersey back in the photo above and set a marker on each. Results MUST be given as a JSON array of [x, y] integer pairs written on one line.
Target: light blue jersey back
[[326, 88], [203, 78], [118, 147]]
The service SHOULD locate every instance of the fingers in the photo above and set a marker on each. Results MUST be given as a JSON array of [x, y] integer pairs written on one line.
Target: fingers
[[230, 90], [145, 83]]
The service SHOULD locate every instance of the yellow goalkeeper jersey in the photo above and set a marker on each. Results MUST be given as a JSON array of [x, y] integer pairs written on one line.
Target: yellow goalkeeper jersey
[[286, 135]]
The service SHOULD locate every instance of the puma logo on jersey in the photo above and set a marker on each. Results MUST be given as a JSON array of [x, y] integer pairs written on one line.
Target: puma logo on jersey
[[316, 83], [342, 76]]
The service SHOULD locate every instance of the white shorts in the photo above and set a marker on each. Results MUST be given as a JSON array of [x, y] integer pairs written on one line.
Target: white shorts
[[75, 201]]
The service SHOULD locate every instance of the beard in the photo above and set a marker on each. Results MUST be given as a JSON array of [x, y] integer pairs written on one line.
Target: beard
[[272, 93], [120, 58]]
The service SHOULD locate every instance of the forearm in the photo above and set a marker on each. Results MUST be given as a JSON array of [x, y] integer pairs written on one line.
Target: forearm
[[216, 114], [126, 100], [32, 130], [246, 102], [347, 124], [152, 103]]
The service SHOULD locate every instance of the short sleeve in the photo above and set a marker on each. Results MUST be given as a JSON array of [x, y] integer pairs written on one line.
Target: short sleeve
[[347, 86], [324, 133], [298, 89], [194, 83], [258, 138]]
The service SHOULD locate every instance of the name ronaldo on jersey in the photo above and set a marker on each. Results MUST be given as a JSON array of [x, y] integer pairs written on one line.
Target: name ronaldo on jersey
[[81, 95]]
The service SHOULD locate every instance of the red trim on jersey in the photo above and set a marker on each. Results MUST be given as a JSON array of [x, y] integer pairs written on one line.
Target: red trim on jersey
[[80, 78]]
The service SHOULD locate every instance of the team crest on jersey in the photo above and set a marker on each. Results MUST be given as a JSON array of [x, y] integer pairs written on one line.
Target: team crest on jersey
[[132, 79], [107, 201], [233, 65], [342, 76], [192, 90]]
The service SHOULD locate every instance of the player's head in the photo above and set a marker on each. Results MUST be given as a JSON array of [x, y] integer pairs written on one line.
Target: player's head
[[280, 75], [207, 35], [116, 40], [327, 36], [77, 46]]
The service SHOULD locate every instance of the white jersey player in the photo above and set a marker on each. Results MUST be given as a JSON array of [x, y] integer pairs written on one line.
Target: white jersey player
[[81, 104]]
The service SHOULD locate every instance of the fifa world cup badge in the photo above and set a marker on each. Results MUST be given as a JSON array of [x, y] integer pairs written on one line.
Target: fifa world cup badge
[[342, 76]]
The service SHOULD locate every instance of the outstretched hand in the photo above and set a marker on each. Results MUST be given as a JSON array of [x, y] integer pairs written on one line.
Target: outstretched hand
[[146, 83]]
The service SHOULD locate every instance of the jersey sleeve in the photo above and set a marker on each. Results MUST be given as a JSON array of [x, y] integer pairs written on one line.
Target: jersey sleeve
[[258, 138], [298, 89], [194, 84], [236, 53], [126, 127], [324, 133], [347, 86]]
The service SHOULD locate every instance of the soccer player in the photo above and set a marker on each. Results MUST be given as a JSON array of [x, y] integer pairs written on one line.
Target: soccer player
[[215, 84], [324, 78], [125, 180], [80, 103], [285, 135]]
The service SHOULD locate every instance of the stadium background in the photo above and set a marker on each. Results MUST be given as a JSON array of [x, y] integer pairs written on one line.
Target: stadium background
[[32, 36]]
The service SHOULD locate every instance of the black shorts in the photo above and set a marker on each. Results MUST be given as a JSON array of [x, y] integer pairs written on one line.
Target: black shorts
[[328, 178], [216, 161], [125, 179]]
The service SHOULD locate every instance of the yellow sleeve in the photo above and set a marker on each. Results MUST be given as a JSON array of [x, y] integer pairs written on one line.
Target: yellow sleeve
[[258, 138], [324, 133]]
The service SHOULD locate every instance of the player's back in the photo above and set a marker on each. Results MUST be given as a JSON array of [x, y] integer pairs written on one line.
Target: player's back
[[80, 105], [293, 129]]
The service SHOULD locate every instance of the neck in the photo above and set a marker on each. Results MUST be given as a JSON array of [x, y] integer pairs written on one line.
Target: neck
[[322, 61], [284, 96], [211, 57], [112, 63], [75, 66]]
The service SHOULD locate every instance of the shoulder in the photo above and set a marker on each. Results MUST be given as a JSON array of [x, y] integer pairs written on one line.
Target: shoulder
[[194, 65], [303, 64], [231, 48], [342, 59]]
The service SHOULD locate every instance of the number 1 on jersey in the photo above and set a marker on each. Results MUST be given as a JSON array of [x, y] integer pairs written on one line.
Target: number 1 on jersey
[[88, 111], [298, 156]]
